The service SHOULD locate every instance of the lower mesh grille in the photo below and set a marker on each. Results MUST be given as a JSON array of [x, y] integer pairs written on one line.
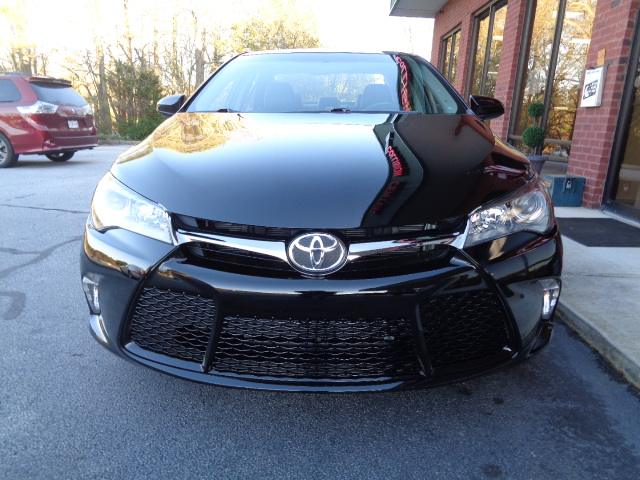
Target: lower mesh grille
[[173, 324], [464, 327], [458, 329], [317, 349]]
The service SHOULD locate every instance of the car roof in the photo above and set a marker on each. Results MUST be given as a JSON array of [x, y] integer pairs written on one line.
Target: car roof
[[36, 78], [324, 50]]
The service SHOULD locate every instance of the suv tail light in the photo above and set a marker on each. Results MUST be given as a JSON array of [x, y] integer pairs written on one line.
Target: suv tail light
[[38, 107]]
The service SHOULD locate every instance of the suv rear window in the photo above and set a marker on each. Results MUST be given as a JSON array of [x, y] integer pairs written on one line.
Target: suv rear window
[[58, 94], [8, 91]]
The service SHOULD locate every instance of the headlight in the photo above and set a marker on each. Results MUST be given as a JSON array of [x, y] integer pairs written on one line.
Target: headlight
[[115, 206], [530, 212]]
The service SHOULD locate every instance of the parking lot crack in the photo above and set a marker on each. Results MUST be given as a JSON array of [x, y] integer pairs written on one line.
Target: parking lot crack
[[13, 251], [17, 299], [62, 210], [40, 256], [17, 302], [601, 275]]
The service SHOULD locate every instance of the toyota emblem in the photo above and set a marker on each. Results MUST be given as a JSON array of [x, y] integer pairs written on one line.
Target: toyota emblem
[[317, 253]]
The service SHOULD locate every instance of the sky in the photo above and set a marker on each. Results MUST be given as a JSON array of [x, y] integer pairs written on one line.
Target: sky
[[366, 24], [342, 24]]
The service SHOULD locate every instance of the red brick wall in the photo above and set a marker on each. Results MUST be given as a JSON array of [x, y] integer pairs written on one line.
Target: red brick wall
[[595, 128]]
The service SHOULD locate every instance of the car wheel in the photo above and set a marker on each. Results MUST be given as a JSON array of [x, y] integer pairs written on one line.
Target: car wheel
[[60, 156], [8, 157]]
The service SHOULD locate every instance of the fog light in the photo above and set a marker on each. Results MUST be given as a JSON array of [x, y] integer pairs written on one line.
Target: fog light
[[90, 287], [550, 292]]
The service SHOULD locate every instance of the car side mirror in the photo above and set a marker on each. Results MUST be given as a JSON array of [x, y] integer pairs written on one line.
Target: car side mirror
[[168, 106], [486, 108]]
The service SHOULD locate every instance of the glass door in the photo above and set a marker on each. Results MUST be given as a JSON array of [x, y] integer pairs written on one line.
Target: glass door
[[622, 192], [628, 188]]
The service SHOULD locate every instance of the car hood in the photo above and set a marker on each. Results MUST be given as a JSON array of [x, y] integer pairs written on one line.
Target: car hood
[[322, 170]]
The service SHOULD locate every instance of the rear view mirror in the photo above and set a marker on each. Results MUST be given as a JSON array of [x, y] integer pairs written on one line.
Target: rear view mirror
[[168, 106], [486, 108]]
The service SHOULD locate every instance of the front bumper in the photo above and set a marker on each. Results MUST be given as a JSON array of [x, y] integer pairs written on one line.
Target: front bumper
[[459, 315]]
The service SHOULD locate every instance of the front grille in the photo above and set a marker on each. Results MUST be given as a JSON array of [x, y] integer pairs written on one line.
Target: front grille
[[395, 262], [401, 261], [174, 324], [442, 227], [236, 259], [465, 326], [317, 348]]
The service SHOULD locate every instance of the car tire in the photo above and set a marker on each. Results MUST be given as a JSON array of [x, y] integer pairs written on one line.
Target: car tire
[[8, 157], [59, 156]]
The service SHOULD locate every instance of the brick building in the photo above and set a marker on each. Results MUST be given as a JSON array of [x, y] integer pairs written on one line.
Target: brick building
[[537, 51]]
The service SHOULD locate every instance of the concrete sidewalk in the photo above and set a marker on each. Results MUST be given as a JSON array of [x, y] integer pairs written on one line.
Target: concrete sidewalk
[[600, 297]]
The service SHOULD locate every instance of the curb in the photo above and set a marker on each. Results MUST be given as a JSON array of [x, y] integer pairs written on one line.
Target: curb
[[111, 142], [598, 340]]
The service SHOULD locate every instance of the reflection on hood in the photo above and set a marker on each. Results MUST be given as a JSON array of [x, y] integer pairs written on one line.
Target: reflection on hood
[[321, 170]]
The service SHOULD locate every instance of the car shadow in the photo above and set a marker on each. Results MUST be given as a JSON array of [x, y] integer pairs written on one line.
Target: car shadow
[[34, 162]]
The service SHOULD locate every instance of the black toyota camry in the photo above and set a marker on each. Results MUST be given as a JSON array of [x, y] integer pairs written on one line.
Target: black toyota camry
[[318, 221]]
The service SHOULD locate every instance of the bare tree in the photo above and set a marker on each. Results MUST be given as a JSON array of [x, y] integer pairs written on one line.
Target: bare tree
[[22, 54], [142, 49]]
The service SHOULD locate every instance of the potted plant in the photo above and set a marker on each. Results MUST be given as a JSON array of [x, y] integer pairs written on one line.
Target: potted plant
[[533, 137]]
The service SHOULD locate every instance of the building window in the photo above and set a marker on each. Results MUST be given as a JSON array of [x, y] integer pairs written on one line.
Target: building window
[[449, 58], [560, 37], [488, 28]]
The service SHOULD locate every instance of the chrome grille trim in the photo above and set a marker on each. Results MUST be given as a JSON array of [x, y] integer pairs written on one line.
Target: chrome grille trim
[[271, 248], [358, 250], [277, 248]]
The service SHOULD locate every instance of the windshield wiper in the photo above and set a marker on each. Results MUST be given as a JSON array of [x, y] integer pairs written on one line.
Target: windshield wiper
[[226, 110], [340, 110]]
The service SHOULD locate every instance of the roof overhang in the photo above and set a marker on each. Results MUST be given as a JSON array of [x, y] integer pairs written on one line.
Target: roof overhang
[[416, 8]]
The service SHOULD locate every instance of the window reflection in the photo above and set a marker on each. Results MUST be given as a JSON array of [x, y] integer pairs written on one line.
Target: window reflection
[[454, 61], [496, 50], [490, 31], [449, 59], [563, 98], [567, 83], [478, 69], [539, 57], [446, 54]]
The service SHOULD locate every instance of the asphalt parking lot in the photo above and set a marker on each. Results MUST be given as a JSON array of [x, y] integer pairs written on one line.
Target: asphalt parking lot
[[69, 409]]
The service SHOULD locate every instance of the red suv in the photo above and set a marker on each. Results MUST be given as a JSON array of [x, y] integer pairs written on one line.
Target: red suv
[[42, 115]]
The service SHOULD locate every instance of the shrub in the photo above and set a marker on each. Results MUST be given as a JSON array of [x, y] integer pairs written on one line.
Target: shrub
[[138, 129], [533, 137], [535, 110]]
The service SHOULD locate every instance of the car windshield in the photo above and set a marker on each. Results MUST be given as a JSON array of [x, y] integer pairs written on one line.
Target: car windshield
[[327, 82], [58, 94]]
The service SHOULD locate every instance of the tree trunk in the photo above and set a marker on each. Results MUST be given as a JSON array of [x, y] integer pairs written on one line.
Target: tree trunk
[[103, 115]]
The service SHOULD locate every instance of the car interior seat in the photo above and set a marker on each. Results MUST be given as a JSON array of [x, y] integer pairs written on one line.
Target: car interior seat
[[328, 103], [375, 94], [279, 97]]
